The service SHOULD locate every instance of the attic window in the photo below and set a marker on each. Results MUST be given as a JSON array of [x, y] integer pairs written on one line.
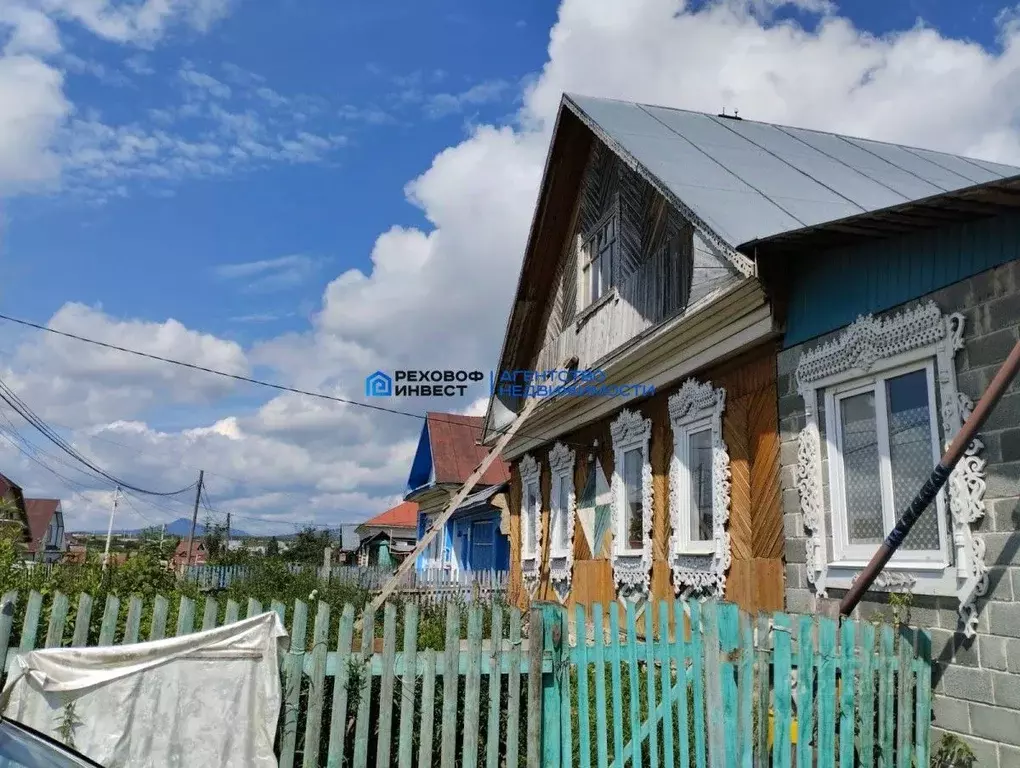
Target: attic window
[[598, 254]]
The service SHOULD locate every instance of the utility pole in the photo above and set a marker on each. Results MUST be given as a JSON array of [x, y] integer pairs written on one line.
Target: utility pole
[[228, 531], [109, 530], [194, 517], [162, 535]]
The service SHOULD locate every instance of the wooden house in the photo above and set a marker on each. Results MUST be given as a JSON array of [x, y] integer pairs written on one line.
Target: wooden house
[[473, 538], [659, 475], [386, 539]]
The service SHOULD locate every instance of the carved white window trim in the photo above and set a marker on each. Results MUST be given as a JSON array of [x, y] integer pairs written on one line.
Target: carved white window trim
[[698, 567], [531, 561], [631, 567], [561, 561], [909, 336]]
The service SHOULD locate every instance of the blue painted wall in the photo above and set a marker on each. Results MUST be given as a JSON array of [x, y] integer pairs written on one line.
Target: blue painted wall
[[831, 288], [475, 558]]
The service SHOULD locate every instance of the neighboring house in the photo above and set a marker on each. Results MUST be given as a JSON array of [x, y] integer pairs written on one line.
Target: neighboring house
[[199, 553], [474, 538], [632, 268], [896, 321], [11, 490], [46, 528], [388, 538]]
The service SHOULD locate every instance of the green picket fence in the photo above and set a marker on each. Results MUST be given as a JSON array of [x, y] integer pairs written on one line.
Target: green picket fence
[[725, 690]]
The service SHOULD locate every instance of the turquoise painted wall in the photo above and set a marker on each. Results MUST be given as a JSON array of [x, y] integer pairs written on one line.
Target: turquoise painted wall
[[831, 288]]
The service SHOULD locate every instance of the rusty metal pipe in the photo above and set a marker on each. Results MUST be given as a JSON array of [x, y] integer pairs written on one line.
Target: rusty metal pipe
[[934, 484]]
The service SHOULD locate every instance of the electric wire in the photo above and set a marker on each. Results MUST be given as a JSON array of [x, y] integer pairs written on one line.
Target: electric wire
[[270, 384], [19, 407]]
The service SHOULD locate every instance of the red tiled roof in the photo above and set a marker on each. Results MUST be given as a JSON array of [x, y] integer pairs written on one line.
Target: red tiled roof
[[455, 450], [40, 512], [404, 515]]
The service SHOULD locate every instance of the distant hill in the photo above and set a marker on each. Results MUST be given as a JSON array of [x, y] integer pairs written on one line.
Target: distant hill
[[179, 527]]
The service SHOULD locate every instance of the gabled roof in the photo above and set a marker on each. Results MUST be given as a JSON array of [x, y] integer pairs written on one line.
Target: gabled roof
[[39, 512], [448, 452], [404, 515], [749, 181]]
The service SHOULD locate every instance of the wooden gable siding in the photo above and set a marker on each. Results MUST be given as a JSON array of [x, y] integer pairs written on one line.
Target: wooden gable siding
[[750, 426], [663, 265]]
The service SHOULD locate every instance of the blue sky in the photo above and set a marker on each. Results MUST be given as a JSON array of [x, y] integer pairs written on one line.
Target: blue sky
[[309, 191]]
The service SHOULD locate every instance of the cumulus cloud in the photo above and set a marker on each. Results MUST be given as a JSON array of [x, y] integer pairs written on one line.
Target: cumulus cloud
[[438, 296]]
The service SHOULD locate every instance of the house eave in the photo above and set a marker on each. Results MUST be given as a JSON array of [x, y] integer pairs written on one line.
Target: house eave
[[722, 328]]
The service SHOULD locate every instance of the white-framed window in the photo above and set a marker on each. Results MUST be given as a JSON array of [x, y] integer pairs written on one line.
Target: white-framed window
[[632, 502], [699, 485], [891, 404], [562, 508], [883, 441], [598, 253], [531, 520]]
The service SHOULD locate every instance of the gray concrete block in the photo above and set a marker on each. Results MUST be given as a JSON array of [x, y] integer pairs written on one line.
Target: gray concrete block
[[992, 652], [795, 576], [1009, 757], [1006, 689], [990, 349], [788, 453], [791, 504], [1003, 619], [1014, 576], [951, 714], [948, 646], [790, 405], [1000, 585], [1012, 655], [793, 524], [969, 683], [800, 601], [786, 361], [1002, 480], [1009, 445], [973, 382], [795, 552], [995, 723], [985, 752], [992, 446], [787, 478], [1004, 312], [1006, 413], [1006, 513]]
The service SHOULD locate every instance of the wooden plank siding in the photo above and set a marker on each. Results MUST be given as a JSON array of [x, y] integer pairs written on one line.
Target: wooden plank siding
[[755, 580]]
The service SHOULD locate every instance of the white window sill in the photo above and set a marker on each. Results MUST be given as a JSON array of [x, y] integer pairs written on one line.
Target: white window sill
[[928, 579], [559, 554], [699, 549], [613, 295], [629, 552]]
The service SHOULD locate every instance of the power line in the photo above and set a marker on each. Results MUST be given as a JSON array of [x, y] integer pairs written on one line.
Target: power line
[[261, 383], [19, 407]]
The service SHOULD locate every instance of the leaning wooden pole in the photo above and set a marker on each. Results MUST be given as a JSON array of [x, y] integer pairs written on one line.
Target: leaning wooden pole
[[934, 484], [440, 522]]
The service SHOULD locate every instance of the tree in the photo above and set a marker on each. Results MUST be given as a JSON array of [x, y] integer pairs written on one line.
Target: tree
[[273, 548], [215, 537], [308, 546], [11, 523]]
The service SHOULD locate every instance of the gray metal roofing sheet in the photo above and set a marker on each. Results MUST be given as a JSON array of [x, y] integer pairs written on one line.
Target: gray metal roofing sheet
[[749, 180]]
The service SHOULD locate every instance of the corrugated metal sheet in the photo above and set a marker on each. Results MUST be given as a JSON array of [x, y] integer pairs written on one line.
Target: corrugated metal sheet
[[749, 180], [879, 275]]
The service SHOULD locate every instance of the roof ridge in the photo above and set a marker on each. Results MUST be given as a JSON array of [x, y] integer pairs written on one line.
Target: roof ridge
[[645, 106]]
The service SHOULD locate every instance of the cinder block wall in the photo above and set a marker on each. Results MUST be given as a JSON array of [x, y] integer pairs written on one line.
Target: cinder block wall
[[977, 682]]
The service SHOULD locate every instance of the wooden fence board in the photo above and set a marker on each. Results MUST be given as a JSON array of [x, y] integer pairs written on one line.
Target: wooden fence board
[[492, 729], [385, 722], [407, 690]]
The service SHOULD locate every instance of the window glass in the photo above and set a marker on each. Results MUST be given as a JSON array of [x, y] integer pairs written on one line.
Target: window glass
[[562, 512], [910, 452], [700, 473], [860, 469], [634, 520]]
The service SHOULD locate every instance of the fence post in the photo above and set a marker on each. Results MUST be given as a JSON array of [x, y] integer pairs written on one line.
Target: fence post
[[554, 639]]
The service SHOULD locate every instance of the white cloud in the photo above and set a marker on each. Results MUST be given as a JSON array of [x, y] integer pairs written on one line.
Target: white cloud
[[443, 104], [201, 85], [270, 274]]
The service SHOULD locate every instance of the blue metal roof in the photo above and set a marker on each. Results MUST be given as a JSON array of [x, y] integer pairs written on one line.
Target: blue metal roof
[[748, 180]]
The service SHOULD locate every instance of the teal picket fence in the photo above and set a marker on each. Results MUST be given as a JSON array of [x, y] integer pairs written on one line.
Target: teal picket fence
[[674, 684]]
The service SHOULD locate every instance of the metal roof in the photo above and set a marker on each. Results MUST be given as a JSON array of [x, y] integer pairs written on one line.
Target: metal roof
[[749, 181]]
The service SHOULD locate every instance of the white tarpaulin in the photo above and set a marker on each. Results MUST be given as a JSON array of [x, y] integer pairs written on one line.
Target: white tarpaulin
[[206, 700]]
